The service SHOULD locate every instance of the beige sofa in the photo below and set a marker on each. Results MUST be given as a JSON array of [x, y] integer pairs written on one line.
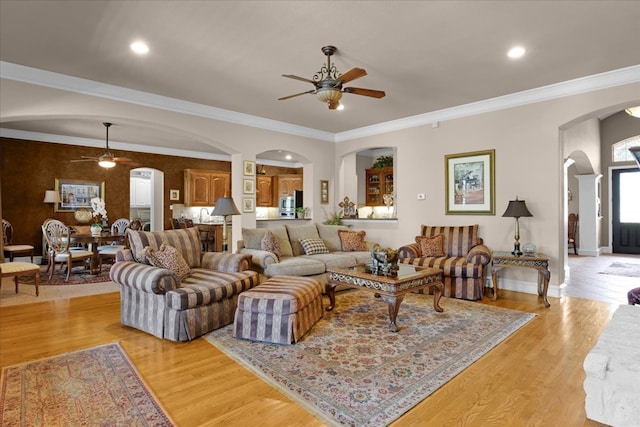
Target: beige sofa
[[294, 261]]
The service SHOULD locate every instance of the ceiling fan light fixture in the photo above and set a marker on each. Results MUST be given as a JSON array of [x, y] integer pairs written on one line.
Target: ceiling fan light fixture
[[106, 163], [633, 111], [329, 95]]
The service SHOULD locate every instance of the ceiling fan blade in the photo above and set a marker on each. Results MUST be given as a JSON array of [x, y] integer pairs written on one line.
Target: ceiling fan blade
[[365, 92], [122, 159], [297, 94], [291, 76], [88, 159], [352, 74]]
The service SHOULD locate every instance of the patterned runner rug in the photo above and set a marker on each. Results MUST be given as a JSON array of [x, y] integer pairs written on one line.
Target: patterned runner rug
[[351, 370], [94, 387]]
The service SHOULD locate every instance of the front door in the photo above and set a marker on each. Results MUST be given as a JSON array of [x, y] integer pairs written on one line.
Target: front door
[[626, 211]]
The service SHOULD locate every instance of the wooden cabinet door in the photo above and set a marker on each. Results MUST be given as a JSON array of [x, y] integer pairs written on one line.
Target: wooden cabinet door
[[220, 186], [200, 189], [287, 184], [264, 193], [379, 182]]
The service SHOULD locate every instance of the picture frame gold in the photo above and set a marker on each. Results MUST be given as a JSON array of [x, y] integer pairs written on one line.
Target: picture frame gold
[[249, 168], [77, 194], [470, 183], [248, 186], [248, 204], [324, 191]]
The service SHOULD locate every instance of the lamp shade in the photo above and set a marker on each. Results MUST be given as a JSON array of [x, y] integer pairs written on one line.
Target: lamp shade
[[516, 209], [225, 206], [51, 196]]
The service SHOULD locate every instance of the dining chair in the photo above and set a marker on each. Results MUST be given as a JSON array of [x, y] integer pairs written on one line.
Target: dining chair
[[572, 228], [120, 227], [57, 235], [9, 249]]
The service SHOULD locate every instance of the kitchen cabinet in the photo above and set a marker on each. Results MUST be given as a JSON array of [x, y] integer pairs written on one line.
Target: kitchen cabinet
[[140, 192], [204, 187], [287, 184], [379, 181], [264, 191]]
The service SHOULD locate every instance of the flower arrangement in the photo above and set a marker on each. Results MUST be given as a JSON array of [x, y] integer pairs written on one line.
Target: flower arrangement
[[99, 213]]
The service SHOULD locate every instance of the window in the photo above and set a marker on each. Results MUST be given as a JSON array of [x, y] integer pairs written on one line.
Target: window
[[620, 150]]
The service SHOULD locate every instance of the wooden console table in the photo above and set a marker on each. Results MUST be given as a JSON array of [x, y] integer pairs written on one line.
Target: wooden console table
[[539, 262]]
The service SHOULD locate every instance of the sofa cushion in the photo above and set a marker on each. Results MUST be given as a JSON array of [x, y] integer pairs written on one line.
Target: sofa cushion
[[295, 266], [168, 257], [352, 240], [335, 259], [451, 266], [186, 241], [205, 287], [253, 238], [458, 240], [270, 243], [431, 246], [329, 233], [314, 246], [299, 232]]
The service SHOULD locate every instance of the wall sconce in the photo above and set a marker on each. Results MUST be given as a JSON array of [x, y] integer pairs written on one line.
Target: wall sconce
[[51, 196]]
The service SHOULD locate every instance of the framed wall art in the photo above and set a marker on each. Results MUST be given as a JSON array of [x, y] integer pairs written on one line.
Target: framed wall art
[[470, 183], [247, 204], [249, 168], [248, 186], [324, 191], [174, 194], [76, 194]]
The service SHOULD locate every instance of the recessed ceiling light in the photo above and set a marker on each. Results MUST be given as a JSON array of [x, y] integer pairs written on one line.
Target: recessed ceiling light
[[516, 52], [288, 157], [139, 47]]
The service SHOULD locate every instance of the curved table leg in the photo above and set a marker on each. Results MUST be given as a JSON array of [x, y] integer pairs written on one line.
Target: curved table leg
[[437, 294], [494, 278], [330, 289], [394, 306]]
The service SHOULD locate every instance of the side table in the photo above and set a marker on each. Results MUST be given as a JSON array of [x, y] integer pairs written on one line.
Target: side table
[[539, 262]]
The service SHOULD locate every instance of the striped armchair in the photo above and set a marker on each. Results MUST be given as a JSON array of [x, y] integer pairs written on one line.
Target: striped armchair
[[157, 301], [457, 251]]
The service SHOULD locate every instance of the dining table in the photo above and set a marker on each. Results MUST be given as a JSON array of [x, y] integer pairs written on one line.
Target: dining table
[[93, 241]]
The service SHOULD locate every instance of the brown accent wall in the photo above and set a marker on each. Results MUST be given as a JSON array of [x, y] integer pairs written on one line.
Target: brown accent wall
[[28, 168]]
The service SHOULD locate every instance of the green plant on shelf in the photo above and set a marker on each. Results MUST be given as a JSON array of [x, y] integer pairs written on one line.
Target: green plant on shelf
[[383, 162]]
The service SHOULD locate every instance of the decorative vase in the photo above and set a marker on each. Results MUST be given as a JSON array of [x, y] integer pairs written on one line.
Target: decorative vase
[[83, 216], [529, 249], [96, 229]]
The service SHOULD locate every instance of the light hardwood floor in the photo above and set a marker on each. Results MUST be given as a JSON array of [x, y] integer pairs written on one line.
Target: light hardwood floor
[[534, 378]]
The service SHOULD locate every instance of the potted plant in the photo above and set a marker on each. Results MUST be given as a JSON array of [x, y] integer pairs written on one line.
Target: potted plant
[[301, 212]]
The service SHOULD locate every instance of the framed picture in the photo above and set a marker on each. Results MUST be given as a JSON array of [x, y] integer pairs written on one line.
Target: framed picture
[[324, 191], [174, 194], [249, 168], [470, 183], [248, 186], [247, 204], [76, 194]]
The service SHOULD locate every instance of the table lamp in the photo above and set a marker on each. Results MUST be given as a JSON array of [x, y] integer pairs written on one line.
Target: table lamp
[[51, 196], [224, 208], [516, 209]]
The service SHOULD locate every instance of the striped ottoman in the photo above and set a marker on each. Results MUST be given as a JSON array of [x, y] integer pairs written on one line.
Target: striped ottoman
[[280, 310]]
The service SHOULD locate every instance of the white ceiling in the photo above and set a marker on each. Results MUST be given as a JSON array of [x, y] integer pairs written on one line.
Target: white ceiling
[[426, 55]]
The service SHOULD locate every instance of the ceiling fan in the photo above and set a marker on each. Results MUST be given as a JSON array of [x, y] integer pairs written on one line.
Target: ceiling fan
[[328, 82], [107, 160]]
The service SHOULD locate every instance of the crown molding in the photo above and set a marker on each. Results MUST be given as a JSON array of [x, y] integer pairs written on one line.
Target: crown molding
[[65, 82], [99, 144], [604, 80], [50, 79]]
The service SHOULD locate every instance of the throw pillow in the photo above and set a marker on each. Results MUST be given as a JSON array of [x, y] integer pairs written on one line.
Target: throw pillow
[[431, 246], [352, 241], [168, 257], [314, 246], [270, 243]]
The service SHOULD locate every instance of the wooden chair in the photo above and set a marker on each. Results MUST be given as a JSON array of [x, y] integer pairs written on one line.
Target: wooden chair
[[572, 228], [10, 250], [119, 226], [19, 269], [57, 235]]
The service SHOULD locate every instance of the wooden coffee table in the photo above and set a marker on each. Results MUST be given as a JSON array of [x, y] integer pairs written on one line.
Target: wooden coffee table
[[392, 289]]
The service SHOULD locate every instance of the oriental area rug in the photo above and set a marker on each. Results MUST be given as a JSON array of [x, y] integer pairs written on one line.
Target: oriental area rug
[[79, 276], [350, 370], [98, 386], [623, 269]]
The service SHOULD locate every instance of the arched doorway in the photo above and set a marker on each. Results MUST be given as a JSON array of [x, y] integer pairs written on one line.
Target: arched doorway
[[147, 197]]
